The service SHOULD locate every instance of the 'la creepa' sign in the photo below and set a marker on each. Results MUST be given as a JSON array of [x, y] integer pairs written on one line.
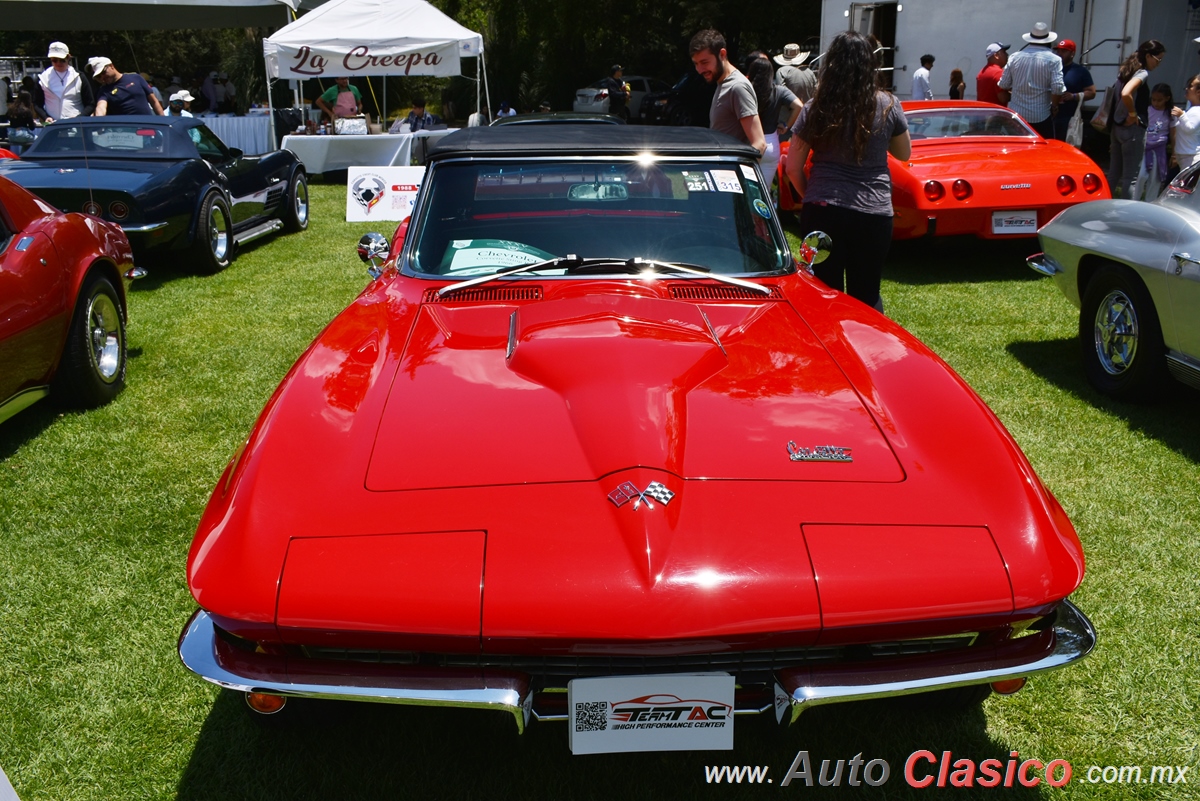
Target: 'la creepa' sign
[[307, 62]]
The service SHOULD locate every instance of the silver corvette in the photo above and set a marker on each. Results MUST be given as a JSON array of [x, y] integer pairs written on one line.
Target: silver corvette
[[1133, 269]]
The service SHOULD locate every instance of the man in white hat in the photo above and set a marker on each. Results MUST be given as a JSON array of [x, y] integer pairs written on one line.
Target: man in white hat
[[121, 93], [67, 93], [179, 103], [794, 74], [1032, 82]]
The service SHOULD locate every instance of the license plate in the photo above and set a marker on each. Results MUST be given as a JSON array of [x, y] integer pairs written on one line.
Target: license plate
[[651, 713], [1014, 222]]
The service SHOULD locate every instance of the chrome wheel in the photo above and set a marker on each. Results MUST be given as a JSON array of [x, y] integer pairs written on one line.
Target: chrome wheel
[[1116, 332], [218, 232], [300, 190], [104, 335]]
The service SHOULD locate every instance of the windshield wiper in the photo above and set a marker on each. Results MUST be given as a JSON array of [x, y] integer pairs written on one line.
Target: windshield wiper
[[572, 262]]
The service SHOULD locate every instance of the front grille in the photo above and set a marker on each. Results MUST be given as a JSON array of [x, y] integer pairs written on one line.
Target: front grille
[[724, 292], [490, 294], [554, 670]]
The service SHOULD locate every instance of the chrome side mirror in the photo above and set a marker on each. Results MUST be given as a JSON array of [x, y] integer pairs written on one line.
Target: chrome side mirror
[[815, 248], [374, 250]]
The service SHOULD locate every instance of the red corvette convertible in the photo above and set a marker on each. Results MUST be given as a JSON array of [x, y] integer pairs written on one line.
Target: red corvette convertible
[[62, 304], [977, 168], [592, 429]]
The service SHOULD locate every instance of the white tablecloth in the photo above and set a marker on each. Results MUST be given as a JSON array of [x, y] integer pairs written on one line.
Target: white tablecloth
[[250, 134], [325, 153]]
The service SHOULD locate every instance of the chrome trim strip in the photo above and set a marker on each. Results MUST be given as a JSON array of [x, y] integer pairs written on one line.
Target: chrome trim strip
[[143, 229], [1041, 263], [257, 232], [1183, 369], [22, 401], [197, 651], [1074, 637]]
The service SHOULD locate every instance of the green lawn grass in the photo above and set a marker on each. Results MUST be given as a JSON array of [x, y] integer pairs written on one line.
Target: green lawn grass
[[97, 511]]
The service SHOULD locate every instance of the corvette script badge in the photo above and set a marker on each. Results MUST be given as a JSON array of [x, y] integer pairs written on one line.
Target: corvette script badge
[[628, 492], [821, 453]]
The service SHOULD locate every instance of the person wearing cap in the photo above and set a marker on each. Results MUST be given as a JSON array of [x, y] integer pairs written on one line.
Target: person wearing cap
[[1078, 82], [121, 93], [986, 89], [921, 90], [341, 100], [618, 94], [208, 91], [228, 104], [794, 74], [67, 93], [1033, 80], [179, 104]]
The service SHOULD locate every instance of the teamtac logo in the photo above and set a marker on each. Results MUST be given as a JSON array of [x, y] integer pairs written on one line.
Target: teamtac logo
[[669, 709]]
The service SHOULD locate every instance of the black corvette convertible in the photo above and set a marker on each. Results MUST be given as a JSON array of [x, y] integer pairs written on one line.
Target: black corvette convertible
[[169, 182]]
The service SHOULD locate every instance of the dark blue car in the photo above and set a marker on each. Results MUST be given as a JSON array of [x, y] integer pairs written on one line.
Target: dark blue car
[[170, 183]]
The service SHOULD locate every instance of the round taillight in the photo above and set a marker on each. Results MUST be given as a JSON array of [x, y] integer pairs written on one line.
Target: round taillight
[[1065, 184], [265, 703], [1092, 183], [934, 190], [92, 208], [961, 189], [118, 210], [1008, 686]]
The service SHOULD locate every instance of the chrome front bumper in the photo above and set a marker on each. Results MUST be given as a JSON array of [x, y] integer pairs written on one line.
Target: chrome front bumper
[[1043, 264], [1069, 639]]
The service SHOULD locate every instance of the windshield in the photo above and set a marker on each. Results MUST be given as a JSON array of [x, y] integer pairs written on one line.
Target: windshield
[[115, 139], [480, 217], [952, 123]]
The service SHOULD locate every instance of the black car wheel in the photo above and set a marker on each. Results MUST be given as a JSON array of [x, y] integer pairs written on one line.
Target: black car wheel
[[1120, 335], [295, 214], [680, 116], [92, 370], [213, 246]]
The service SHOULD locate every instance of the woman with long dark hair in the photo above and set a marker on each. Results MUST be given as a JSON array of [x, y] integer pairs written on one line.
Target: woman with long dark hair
[[21, 115], [849, 126], [1129, 114], [778, 108]]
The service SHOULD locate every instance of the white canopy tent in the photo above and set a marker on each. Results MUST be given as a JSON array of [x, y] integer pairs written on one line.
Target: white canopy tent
[[372, 37], [142, 15]]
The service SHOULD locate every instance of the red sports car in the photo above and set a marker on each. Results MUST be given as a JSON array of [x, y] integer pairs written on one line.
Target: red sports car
[[978, 168], [592, 421], [62, 304]]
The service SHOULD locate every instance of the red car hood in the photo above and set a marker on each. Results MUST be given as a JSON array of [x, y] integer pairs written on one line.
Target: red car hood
[[579, 388]]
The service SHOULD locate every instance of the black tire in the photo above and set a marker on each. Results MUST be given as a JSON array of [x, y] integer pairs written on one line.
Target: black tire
[[295, 212], [1120, 336], [92, 369], [213, 246]]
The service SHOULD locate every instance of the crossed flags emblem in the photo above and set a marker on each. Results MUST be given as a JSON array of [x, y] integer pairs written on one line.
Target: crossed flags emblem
[[628, 492]]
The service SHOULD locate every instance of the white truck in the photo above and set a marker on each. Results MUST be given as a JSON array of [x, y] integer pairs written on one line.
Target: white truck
[[956, 32]]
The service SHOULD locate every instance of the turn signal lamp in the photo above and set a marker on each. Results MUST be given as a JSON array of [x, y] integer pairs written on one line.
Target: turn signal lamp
[[934, 191], [1065, 184], [1091, 183], [267, 704], [1008, 686], [961, 189]]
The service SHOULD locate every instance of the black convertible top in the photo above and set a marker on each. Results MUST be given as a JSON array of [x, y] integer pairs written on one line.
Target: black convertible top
[[56, 140], [588, 140]]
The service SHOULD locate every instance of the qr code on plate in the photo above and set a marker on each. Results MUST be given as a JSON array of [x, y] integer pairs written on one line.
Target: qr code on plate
[[591, 716]]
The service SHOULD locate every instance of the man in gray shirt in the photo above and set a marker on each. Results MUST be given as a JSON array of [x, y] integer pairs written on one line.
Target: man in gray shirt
[[734, 109]]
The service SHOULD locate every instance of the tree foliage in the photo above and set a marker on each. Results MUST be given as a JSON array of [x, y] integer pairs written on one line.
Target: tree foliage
[[535, 49]]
